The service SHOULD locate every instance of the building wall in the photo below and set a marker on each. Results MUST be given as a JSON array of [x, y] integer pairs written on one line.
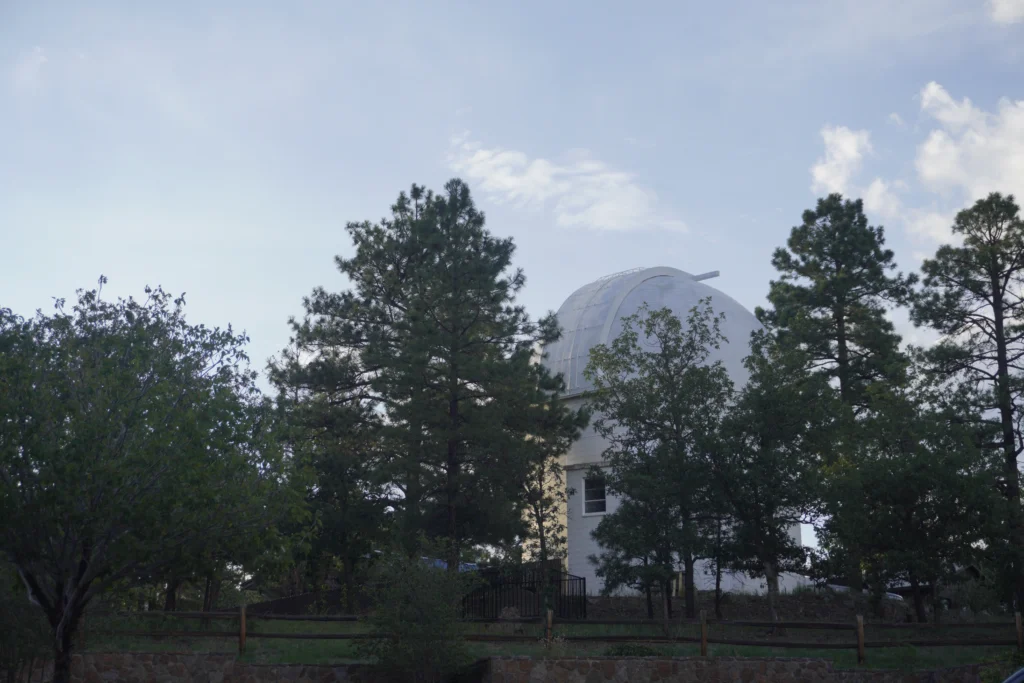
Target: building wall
[[581, 546]]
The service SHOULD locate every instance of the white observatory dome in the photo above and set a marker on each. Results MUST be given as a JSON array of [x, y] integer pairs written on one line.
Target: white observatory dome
[[593, 315]]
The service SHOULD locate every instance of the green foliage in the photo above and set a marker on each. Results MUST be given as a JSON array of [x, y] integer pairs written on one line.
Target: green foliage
[[973, 296], [417, 611], [836, 280], [431, 338], [337, 438], [630, 650], [660, 403], [930, 485], [130, 442], [768, 462], [830, 300]]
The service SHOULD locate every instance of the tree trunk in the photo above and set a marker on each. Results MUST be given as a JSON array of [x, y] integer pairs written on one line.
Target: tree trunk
[[543, 554], [915, 591], [718, 591], [348, 571], [63, 641], [1010, 465], [666, 608], [452, 488], [691, 588], [171, 598], [854, 574], [718, 571], [650, 602], [62, 662], [771, 579]]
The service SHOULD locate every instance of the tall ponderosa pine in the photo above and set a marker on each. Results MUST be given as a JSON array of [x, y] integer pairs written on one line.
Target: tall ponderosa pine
[[337, 438], [660, 401], [830, 301], [768, 461], [431, 332], [836, 281], [974, 296]]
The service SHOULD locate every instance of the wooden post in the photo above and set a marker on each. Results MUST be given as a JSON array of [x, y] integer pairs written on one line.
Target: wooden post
[[1020, 631], [703, 633], [860, 639], [547, 630], [241, 629]]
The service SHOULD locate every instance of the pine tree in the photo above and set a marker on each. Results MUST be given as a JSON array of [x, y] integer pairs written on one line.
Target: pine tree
[[973, 297], [768, 461], [929, 483], [431, 333], [837, 278], [830, 301]]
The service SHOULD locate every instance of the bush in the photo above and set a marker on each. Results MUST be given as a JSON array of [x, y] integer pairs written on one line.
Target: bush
[[630, 650], [418, 613]]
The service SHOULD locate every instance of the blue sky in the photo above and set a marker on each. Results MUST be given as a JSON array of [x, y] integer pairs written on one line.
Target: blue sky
[[219, 148]]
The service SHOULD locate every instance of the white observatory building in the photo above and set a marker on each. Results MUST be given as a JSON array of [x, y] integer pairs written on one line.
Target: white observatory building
[[593, 315]]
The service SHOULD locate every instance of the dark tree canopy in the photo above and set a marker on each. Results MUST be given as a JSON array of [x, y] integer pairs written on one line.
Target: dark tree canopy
[[431, 334], [129, 439], [836, 279], [660, 401], [974, 296], [768, 463]]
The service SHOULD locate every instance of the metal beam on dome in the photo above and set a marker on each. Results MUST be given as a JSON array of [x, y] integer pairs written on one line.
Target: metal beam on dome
[[706, 276]]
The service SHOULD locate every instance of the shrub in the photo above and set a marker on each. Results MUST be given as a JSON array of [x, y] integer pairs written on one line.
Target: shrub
[[417, 612], [630, 650]]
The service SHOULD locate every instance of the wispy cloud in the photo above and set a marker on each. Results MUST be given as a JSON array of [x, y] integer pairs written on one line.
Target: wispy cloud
[[582, 192], [844, 153], [896, 119], [1006, 11], [27, 73]]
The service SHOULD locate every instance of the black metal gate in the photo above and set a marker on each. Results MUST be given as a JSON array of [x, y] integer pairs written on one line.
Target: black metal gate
[[520, 592]]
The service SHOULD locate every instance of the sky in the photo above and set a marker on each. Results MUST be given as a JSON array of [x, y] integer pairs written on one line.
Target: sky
[[219, 148]]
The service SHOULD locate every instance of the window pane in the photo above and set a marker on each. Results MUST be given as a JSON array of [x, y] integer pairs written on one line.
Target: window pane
[[592, 506]]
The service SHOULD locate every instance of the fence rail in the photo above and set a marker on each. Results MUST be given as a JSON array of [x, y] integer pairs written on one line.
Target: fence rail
[[858, 629]]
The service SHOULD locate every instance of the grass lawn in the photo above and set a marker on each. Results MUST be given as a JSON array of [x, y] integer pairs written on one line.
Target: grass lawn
[[295, 651]]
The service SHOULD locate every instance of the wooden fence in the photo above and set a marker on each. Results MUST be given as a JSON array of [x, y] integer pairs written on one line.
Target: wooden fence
[[857, 630]]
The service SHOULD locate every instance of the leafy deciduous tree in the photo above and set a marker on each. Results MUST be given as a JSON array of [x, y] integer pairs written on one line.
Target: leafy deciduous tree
[[126, 435], [659, 403]]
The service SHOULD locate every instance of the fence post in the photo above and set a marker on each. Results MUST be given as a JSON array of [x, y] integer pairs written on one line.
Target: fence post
[[241, 629], [1020, 631], [703, 633], [860, 639], [547, 631]]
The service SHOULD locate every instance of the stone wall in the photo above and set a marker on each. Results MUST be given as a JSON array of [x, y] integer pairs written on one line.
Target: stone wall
[[223, 668], [139, 667], [699, 670]]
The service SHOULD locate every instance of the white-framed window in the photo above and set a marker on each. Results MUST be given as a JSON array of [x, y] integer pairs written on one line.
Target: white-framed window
[[593, 496]]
